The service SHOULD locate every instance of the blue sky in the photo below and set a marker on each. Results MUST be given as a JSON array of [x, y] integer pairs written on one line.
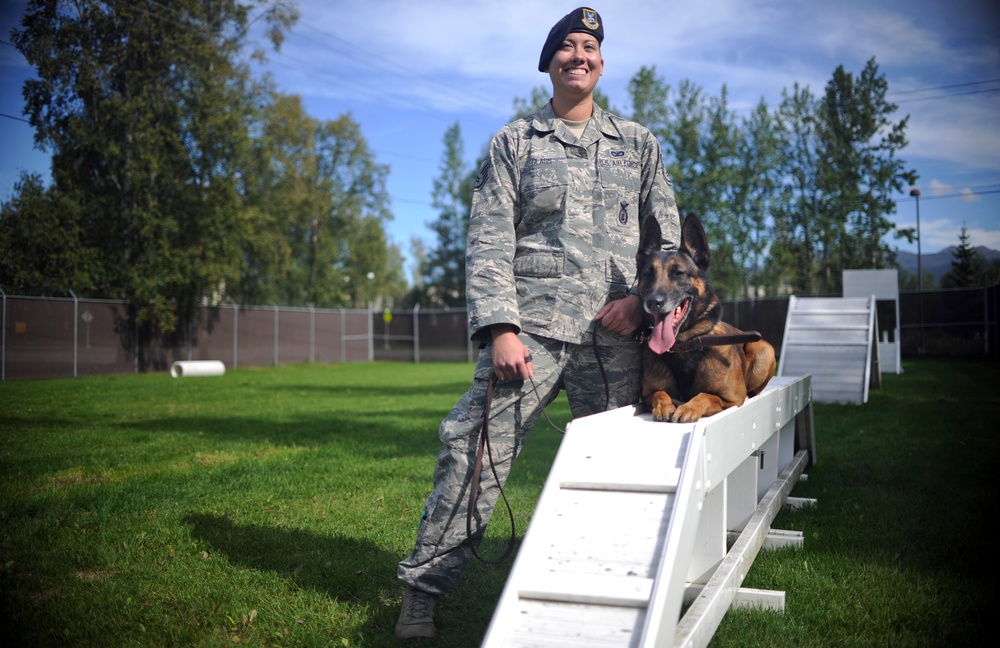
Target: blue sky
[[408, 70]]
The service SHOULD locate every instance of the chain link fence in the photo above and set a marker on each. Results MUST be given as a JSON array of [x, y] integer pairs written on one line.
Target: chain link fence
[[49, 337]]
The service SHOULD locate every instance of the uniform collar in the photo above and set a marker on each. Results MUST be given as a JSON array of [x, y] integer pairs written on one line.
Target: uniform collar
[[546, 121]]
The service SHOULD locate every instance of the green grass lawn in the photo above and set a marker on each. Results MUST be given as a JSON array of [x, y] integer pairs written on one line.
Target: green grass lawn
[[270, 507]]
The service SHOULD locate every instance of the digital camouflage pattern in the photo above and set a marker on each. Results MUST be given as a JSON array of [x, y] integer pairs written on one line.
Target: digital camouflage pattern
[[441, 552], [553, 237], [555, 223]]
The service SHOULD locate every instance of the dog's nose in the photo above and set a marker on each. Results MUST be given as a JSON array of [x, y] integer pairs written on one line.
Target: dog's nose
[[654, 303]]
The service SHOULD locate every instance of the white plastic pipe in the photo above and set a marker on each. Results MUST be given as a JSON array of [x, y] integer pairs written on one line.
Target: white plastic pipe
[[191, 368]]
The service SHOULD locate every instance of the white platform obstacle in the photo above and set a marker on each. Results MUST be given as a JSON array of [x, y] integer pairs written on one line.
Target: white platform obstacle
[[834, 341], [638, 516], [884, 284]]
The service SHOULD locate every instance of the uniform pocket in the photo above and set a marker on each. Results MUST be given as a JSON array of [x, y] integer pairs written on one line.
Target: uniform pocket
[[544, 185], [539, 263]]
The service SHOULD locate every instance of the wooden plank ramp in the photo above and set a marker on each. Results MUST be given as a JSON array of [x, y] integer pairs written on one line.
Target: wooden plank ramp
[[833, 339], [635, 511]]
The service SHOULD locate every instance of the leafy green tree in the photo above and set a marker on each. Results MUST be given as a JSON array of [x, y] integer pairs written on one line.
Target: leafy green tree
[[145, 108], [443, 268], [720, 169], [715, 188], [682, 145], [757, 178], [42, 250], [347, 238], [317, 198], [968, 266], [799, 216], [859, 171], [650, 96]]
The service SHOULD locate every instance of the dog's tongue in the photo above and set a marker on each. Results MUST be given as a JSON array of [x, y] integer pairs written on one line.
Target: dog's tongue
[[662, 338]]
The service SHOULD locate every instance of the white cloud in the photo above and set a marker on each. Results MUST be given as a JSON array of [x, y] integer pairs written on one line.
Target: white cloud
[[987, 238]]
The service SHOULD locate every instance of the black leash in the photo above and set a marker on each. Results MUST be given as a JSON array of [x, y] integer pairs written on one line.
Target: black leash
[[484, 443], [485, 449]]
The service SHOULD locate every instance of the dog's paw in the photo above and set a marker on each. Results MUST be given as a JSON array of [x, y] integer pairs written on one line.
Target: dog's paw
[[663, 407], [686, 414]]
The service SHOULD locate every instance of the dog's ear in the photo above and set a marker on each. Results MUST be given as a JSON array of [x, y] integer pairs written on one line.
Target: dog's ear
[[694, 242], [650, 239]]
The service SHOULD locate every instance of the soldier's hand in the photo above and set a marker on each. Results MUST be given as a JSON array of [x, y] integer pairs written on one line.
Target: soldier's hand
[[511, 359], [623, 316]]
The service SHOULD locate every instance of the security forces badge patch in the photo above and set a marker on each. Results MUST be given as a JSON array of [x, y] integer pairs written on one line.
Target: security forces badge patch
[[590, 18], [623, 213]]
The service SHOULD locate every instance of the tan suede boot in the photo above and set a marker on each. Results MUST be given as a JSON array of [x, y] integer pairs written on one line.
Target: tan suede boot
[[416, 615]]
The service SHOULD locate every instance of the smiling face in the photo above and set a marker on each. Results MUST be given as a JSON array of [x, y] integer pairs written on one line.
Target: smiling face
[[576, 66]]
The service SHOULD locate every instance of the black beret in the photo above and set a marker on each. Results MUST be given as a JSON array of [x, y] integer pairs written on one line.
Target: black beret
[[584, 20]]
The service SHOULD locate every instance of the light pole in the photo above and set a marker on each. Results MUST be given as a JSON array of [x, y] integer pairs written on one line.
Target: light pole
[[915, 192]]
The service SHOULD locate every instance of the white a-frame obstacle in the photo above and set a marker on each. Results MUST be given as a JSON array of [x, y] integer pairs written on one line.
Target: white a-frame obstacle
[[834, 340], [637, 516]]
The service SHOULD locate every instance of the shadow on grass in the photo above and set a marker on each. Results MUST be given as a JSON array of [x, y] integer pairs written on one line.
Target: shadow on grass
[[349, 570]]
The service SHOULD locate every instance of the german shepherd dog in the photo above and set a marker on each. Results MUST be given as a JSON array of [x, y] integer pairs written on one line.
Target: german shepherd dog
[[683, 386]]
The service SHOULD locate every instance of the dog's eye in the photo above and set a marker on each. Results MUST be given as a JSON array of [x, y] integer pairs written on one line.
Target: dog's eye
[[678, 273]]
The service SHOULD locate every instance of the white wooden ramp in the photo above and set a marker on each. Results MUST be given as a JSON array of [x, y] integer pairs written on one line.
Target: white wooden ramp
[[834, 340], [636, 515]]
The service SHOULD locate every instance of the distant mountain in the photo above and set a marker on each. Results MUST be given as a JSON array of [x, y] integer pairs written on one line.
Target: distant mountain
[[939, 262]]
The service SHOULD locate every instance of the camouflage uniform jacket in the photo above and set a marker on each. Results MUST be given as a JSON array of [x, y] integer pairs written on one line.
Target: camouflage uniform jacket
[[555, 221]]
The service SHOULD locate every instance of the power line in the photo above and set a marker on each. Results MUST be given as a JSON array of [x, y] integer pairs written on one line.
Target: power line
[[949, 96], [20, 119], [944, 87]]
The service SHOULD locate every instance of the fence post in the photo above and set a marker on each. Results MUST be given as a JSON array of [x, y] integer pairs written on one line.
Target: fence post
[[135, 337], [236, 332], [343, 342], [312, 334], [416, 334], [275, 335], [371, 331], [76, 308]]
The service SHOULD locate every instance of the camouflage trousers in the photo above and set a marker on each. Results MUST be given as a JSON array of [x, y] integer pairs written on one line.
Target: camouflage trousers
[[442, 549]]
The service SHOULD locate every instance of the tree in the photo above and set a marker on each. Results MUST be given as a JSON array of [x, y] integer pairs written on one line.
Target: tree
[[42, 249], [316, 207], [650, 96], [798, 216], [348, 238], [443, 269], [858, 170], [968, 266], [842, 168], [756, 182], [681, 143], [146, 107]]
